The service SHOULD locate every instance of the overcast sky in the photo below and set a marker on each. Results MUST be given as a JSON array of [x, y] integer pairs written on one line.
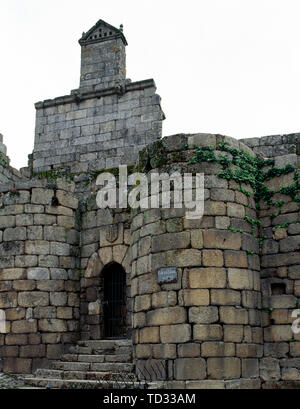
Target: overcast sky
[[220, 66]]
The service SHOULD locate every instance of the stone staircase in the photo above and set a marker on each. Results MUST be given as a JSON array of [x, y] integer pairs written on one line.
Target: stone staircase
[[88, 364]]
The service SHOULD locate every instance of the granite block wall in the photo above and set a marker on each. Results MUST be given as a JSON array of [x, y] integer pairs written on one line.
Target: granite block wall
[[39, 278], [100, 131]]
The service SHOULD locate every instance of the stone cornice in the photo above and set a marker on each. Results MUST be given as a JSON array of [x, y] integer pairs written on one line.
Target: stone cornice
[[77, 96]]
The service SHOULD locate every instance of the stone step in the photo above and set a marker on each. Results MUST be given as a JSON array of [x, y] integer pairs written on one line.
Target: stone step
[[92, 366], [58, 374], [117, 358], [96, 358], [47, 373], [77, 383], [70, 366], [112, 367], [62, 383], [100, 347], [69, 357], [106, 343], [80, 350]]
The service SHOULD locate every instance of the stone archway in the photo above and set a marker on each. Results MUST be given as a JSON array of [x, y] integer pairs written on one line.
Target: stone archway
[[92, 290], [114, 301]]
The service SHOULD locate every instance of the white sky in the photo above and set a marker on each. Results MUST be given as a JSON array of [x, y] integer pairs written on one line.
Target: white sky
[[220, 66]]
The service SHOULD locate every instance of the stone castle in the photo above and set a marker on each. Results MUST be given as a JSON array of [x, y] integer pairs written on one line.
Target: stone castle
[[81, 287]]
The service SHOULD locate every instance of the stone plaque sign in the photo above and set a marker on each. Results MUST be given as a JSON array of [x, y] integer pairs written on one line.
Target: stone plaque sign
[[167, 275]]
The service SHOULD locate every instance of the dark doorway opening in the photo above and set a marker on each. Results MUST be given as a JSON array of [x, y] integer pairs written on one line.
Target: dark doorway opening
[[114, 283]]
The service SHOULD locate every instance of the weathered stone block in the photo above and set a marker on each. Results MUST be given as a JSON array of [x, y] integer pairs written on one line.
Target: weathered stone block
[[28, 261], [269, 369], [166, 351], [290, 374], [33, 351], [14, 234], [13, 339], [44, 312], [197, 239], [9, 351], [33, 299], [24, 220], [277, 350], [235, 259], [55, 351], [249, 351], [149, 335], [209, 349], [207, 332], [52, 325], [232, 315], [139, 320], [240, 279], [142, 303], [212, 258], [7, 221], [66, 200], [282, 301], [189, 368], [223, 368], [203, 315], [213, 208], [38, 274], [17, 365], [278, 333], [34, 233], [193, 297], [225, 297], [12, 274], [167, 316], [148, 284], [24, 285], [220, 239], [250, 368], [191, 350], [175, 333], [24, 327], [5, 285], [207, 278], [50, 285], [170, 241], [164, 299], [37, 247], [8, 299], [143, 351], [41, 196], [58, 298], [59, 249]]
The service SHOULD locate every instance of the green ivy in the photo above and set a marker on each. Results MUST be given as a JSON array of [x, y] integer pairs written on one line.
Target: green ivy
[[235, 230], [276, 171], [246, 192]]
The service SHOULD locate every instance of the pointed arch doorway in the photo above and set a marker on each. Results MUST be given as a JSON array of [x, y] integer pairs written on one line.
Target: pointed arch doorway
[[114, 303]]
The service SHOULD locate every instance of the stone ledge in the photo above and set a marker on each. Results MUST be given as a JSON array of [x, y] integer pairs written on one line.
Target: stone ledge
[[134, 86]]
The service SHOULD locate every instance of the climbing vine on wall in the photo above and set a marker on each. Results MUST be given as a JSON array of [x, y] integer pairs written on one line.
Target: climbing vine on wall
[[243, 168]]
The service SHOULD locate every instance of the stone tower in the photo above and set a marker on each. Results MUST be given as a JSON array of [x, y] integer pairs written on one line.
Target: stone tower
[[103, 123], [103, 58]]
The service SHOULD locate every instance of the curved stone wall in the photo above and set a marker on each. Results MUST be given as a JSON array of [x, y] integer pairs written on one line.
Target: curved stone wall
[[208, 323]]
